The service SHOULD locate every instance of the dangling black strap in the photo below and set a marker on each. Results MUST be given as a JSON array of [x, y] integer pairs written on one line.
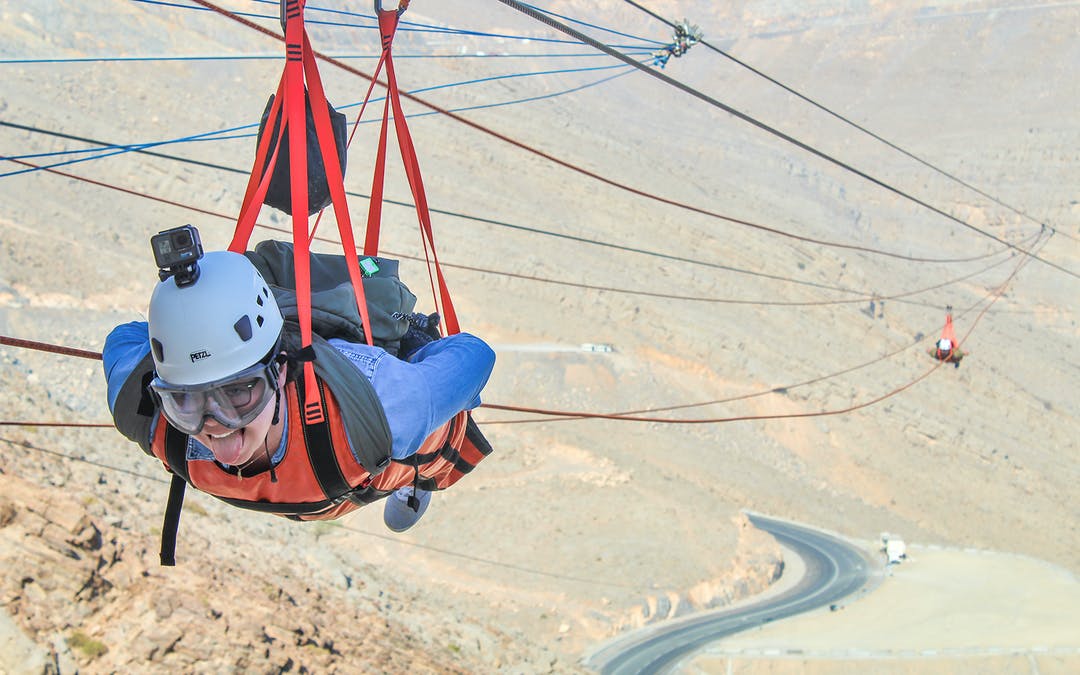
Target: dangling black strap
[[414, 502], [176, 458], [172, 521]]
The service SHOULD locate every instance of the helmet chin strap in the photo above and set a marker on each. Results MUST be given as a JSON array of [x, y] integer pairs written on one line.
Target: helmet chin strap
[[273, 423], [272, 375]]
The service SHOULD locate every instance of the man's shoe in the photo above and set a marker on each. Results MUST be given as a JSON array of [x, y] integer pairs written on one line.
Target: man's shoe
[[398, 514]]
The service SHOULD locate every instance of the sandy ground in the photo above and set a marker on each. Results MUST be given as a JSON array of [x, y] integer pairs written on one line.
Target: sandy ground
[[970, 607]]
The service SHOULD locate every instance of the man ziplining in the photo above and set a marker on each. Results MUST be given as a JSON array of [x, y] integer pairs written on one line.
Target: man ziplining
[[298, 384]]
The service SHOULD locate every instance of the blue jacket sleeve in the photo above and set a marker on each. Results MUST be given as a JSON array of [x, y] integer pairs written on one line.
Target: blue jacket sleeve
[[439, 380], [125, 347]]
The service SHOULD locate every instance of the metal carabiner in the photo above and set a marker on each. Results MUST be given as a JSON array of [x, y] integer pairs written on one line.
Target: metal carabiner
[[402, 6]]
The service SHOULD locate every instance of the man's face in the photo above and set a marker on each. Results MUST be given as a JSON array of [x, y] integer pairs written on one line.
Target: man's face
[[236, 447]]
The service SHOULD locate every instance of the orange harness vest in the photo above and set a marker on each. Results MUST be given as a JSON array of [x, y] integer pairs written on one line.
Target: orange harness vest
[[320, 478]]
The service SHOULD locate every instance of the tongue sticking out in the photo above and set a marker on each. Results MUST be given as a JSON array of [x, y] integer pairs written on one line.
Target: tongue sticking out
[[229, 449]]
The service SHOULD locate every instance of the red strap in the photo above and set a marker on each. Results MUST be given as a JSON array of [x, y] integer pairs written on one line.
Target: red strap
[[387, 26], [352, 134], [949, 333], [374, 223], [289, 105], [336, 183], [257, 187], [295, 118]]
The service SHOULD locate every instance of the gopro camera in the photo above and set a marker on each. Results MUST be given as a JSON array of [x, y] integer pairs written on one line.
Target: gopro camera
[[177, 252]]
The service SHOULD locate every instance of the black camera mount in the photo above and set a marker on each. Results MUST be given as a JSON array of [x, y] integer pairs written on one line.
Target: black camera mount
[[177, 252]]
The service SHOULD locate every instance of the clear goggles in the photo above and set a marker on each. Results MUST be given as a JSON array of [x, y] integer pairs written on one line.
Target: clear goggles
[[234, 402]]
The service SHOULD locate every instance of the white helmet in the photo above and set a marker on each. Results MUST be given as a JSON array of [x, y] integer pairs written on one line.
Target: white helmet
[[216, 327], [944, 344]]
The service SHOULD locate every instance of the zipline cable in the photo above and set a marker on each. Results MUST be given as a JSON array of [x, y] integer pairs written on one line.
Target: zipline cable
[[524, 228], [742, 397], [56, 349], [539, 16], [849, 122], [994, 294], [863, 297], [591, 174], [45, 347], [407, 27]]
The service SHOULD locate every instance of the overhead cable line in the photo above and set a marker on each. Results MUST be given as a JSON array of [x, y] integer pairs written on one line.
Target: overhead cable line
[[542, 17], [279, 57], [655, 43], [109, 151], [591, 174], [848, 121], [783, 389], [404, 26], [58, 349], [55, 349], [218, 135], [863, 296], [407, 25], [100, 465], [996, 295]]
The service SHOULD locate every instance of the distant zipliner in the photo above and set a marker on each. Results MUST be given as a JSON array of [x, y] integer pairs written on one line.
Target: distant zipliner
[[947, 348]]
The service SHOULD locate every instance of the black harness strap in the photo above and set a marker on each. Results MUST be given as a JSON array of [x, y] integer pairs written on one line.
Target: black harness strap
[[474, 436], [293, 511], [320, 449], [176, 458], [172, 521]]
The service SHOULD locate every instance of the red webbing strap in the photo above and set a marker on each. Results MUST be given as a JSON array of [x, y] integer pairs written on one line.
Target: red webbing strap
[[257, 186], [949, 333], [289, 102], [371, 240], [352, 134], [336, 183], [295, 118], [374, 222], [387, 26]]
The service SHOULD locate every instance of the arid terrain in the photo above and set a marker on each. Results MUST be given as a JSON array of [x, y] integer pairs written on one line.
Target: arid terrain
[[732, 273]]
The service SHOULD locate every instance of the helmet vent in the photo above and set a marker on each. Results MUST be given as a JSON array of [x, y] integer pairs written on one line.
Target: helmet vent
[[159, 349], [243, 327], [259, 320], [259, 300]]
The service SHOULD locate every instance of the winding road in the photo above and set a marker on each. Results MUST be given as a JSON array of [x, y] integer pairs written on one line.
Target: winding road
[[834, 569]]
